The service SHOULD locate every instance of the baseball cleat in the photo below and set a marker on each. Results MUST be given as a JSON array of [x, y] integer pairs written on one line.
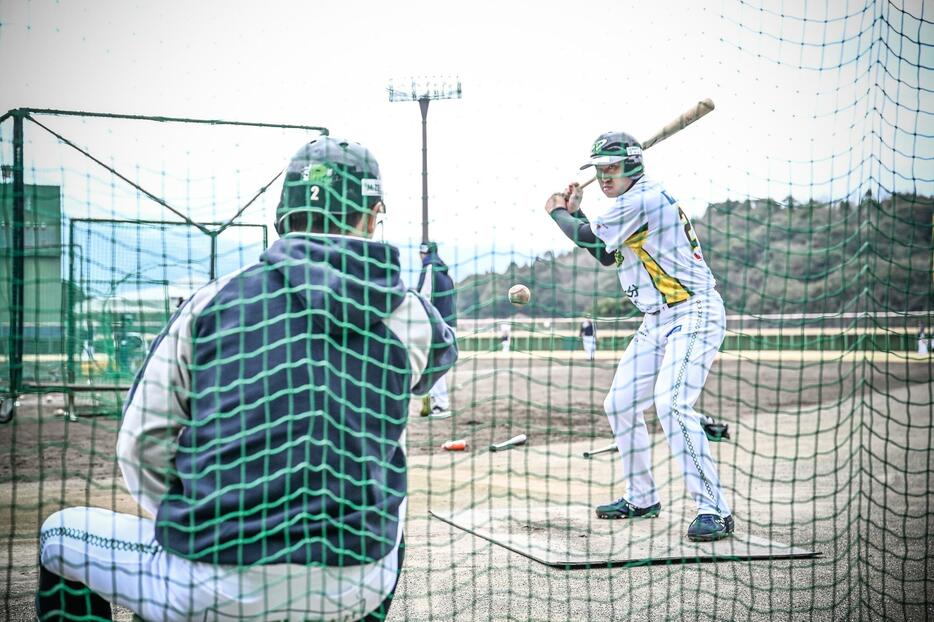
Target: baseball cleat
[[623, 509], [439, 413], [716, 432], [710, 527]]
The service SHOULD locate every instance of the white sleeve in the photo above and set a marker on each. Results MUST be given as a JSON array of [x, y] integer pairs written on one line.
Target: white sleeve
[[155, 413], [157, 407], [430, 342]]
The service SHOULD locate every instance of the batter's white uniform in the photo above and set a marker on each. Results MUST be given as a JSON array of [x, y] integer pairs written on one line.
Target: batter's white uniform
[[662, 271]]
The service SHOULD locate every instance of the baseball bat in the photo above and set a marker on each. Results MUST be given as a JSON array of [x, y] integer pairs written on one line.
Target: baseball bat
[[687, 117], [602, 450], [515, 441]]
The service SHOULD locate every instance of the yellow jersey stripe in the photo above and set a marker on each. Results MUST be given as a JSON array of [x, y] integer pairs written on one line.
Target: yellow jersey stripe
[[669, 286]]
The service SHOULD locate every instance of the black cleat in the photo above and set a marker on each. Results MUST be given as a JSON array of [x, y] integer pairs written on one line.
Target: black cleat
[[623, 509], [710, 527], [717, 432]]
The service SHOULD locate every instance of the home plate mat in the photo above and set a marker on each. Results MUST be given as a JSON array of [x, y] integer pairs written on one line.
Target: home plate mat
[[571, 535]]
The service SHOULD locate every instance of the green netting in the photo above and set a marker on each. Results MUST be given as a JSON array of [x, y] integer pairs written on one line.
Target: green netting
[[197, 433]]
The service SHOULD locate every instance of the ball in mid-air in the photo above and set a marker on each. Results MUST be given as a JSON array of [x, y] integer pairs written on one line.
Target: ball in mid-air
[[519, 295]]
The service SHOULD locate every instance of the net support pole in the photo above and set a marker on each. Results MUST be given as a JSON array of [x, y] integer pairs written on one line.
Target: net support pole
[[71, 345], [18, 276], [423, 106], [213, 268]]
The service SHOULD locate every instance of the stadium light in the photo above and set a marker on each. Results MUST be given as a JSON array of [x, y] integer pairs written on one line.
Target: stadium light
[[423, 90]]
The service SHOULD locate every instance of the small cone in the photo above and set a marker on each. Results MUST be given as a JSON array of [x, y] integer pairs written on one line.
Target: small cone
[[458, 445]]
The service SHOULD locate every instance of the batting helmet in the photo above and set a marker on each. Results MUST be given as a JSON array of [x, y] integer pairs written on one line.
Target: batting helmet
[[613, 147], [332, 180]]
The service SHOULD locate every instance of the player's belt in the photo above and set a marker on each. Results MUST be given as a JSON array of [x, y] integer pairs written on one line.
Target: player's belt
[[669, 306]]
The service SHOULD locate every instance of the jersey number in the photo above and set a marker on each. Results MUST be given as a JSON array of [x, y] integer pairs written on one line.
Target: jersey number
[[313, 193], [688, 229]]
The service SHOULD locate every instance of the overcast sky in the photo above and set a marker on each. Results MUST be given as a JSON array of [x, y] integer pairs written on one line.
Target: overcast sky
[[812, 100]]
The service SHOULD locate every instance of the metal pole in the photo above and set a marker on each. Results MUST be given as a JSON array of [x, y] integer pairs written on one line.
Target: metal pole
[[423, 106], [71, 344], [72, 341], [17, 285], [423, 93], [213, 268]]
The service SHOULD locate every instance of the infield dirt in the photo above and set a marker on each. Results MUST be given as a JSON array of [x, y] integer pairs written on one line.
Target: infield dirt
[[836, 456]]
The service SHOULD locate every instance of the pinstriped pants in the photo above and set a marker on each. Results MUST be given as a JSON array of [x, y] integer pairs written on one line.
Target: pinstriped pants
[[667, 363]]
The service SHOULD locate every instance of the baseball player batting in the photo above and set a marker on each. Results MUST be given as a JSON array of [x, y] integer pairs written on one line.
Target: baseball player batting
[[661, 267]]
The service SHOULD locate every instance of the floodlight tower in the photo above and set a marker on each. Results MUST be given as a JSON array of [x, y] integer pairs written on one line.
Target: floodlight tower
[[423, 90]]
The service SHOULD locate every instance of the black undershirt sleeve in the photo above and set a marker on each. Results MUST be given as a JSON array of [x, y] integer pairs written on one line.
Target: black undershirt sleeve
[[577, 228]]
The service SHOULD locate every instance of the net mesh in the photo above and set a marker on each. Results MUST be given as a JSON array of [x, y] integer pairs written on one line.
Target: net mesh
[[194, 431]]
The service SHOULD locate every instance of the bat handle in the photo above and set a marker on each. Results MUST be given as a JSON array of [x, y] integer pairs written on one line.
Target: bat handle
[[588, 182]]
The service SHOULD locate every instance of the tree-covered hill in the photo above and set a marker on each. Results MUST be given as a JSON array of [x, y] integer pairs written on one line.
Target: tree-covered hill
[[767, 256]]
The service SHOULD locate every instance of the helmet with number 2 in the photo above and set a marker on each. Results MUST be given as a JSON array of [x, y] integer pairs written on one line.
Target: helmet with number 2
[[330, 178], [617, 147]]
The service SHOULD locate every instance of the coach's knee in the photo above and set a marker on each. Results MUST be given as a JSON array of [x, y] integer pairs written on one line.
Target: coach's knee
[[49, 535], [54, 529]]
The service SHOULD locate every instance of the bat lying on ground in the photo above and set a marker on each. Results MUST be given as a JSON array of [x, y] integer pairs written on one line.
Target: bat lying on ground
[[602, 450], [716, 432], [515, 441]]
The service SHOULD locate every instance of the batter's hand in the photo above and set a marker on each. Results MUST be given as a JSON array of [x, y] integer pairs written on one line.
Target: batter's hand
[[556, 201], [574, 195]]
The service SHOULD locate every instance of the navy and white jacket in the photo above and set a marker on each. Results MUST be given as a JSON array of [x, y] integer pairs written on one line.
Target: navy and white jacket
[[435, 284], [266, 426]]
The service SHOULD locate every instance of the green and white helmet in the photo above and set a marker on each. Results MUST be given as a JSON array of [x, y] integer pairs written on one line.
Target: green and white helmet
[[613, 147], [330, 179]]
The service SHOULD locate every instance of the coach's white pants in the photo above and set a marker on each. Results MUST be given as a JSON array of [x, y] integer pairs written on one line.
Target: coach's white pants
[[117, 556], [439, 394], [590, 345], [667, 362]]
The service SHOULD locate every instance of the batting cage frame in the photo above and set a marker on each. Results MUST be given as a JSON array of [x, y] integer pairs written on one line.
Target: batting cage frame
[[19, 195]]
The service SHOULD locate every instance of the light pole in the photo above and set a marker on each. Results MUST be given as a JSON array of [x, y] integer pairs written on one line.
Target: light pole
[[423, 90]]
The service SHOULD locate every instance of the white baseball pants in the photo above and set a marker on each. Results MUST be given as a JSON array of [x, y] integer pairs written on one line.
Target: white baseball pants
[[667, 362], [590, 346], [439, 394], [117, 557]]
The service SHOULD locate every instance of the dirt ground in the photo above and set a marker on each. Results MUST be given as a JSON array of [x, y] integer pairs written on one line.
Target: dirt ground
[[831, 455]]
